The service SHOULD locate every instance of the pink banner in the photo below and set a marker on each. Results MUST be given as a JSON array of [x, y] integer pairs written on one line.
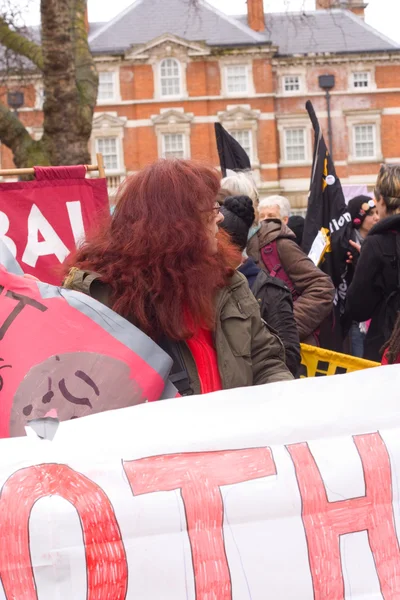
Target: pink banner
[[41, 221]]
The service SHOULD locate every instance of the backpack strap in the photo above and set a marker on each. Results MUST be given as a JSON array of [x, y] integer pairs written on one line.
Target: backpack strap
[[178, 374], [271, 260]]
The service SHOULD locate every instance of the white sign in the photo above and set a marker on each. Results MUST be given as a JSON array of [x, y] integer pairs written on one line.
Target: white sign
[[288, 491]]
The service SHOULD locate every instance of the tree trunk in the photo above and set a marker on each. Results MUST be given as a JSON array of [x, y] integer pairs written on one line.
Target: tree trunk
[[70, 82]]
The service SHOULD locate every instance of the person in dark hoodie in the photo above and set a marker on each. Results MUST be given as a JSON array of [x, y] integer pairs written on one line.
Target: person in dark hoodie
[[274, 297], [375, 289], [364, 216], [313, 291]]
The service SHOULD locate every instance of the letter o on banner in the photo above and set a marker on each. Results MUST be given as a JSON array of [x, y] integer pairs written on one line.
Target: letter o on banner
[[107, 571]]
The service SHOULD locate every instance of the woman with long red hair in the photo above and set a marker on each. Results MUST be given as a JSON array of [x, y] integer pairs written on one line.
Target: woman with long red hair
[[162, 263]]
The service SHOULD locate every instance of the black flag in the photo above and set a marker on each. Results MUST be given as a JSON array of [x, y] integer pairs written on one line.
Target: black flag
[[327, 213], [231, 154]]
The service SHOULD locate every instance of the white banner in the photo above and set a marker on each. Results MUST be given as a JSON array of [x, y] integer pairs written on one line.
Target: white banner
[[288, 491]]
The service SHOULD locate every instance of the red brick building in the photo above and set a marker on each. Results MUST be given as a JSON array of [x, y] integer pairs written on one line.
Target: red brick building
[[169, 71]]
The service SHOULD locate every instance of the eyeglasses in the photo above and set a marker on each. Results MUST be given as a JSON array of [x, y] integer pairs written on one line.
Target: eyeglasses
[[217, 208]]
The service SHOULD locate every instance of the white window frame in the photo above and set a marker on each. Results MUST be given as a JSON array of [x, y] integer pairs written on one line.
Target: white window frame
[[292, 92], [354, 128], [118, 168], [368, 117], [163, 144], [245, 68], [160, 79], [116, 88], [173, 121], [248, 130], [361, 68], [224, 65], [109, 125], [286, 122], [286, 147], [242, 117], [363, 87], [39, 95]]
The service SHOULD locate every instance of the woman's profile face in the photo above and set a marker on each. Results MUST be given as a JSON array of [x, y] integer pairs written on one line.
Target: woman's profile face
[[214, 218], [381, 208]]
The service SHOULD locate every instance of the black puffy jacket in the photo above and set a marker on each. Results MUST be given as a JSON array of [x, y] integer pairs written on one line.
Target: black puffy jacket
[[374, 292], [276, 307]]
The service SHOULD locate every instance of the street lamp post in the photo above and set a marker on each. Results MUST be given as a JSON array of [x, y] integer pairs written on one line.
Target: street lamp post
[[327, 83]]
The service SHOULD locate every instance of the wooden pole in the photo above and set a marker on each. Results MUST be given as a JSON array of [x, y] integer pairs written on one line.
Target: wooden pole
[[100, 164], [16, 172]]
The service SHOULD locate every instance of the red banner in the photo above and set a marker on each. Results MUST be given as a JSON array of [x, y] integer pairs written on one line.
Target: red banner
[[41, 221]]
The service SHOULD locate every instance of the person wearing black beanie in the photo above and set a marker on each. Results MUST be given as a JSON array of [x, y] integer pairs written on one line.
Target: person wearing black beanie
[[273, 295], [364, 216]]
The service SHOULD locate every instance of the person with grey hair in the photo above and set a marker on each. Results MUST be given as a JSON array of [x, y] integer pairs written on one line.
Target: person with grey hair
[[274, 207], [241, 184]]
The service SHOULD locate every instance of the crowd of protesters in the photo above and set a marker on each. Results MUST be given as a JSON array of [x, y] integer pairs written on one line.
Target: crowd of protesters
[[218, 279]]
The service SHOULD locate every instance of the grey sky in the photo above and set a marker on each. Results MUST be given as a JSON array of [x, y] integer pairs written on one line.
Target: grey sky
[[384, 15]]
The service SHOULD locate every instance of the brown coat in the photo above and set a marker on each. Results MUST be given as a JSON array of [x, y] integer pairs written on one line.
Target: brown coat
[[248, 352], [315, 289]]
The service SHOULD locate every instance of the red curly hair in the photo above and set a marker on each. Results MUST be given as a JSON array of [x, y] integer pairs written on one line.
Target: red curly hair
[[154, 251]]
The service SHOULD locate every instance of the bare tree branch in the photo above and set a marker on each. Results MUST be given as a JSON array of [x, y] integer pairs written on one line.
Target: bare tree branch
[[13, 134], [20, 44]]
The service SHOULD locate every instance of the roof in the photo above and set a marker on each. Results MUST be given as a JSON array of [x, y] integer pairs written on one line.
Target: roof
[[146, 20], [321, 31]]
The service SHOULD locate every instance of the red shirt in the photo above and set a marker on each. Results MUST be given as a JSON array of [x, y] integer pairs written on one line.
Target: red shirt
[[203, 350]]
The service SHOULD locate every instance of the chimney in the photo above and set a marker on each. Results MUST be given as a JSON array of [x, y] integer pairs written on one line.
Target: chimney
[[255, 15], [357, 7]]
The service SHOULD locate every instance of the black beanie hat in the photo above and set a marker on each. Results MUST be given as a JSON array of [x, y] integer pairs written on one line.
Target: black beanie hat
[[239, 215], [296, 224], [358, 211]]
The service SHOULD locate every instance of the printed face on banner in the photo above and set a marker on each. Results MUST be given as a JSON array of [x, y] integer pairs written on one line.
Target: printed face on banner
[[55, 361], [42, 221]]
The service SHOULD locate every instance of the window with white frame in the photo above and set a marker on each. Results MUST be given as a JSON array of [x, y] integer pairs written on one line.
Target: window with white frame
[[295, 144], [244, 137], [237, 79], [291, 83], [170, 77], [361, 79], [108, 147], [173, 145], [106, 86], [364, 137]]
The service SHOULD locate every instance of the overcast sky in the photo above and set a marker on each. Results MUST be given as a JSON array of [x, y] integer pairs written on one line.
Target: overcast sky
[[381, 14]]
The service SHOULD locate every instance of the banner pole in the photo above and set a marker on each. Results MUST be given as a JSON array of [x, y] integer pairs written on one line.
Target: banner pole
[[100, 165], [31, 171]]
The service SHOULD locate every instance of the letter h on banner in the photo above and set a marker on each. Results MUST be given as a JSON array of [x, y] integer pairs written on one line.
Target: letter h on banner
[[324, 521]]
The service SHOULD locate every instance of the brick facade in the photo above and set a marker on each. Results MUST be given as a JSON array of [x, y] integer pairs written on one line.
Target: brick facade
[[140, 122]]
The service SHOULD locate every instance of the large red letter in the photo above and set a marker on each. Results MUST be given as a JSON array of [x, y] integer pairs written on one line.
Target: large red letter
[[199, 476], [325, 521], [107, 572]]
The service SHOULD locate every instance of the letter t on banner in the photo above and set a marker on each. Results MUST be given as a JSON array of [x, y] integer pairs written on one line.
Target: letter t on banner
[[199, 476], [324, 521]]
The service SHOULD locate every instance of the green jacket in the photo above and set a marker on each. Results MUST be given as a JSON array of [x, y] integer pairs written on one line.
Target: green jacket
[[248, 352]]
